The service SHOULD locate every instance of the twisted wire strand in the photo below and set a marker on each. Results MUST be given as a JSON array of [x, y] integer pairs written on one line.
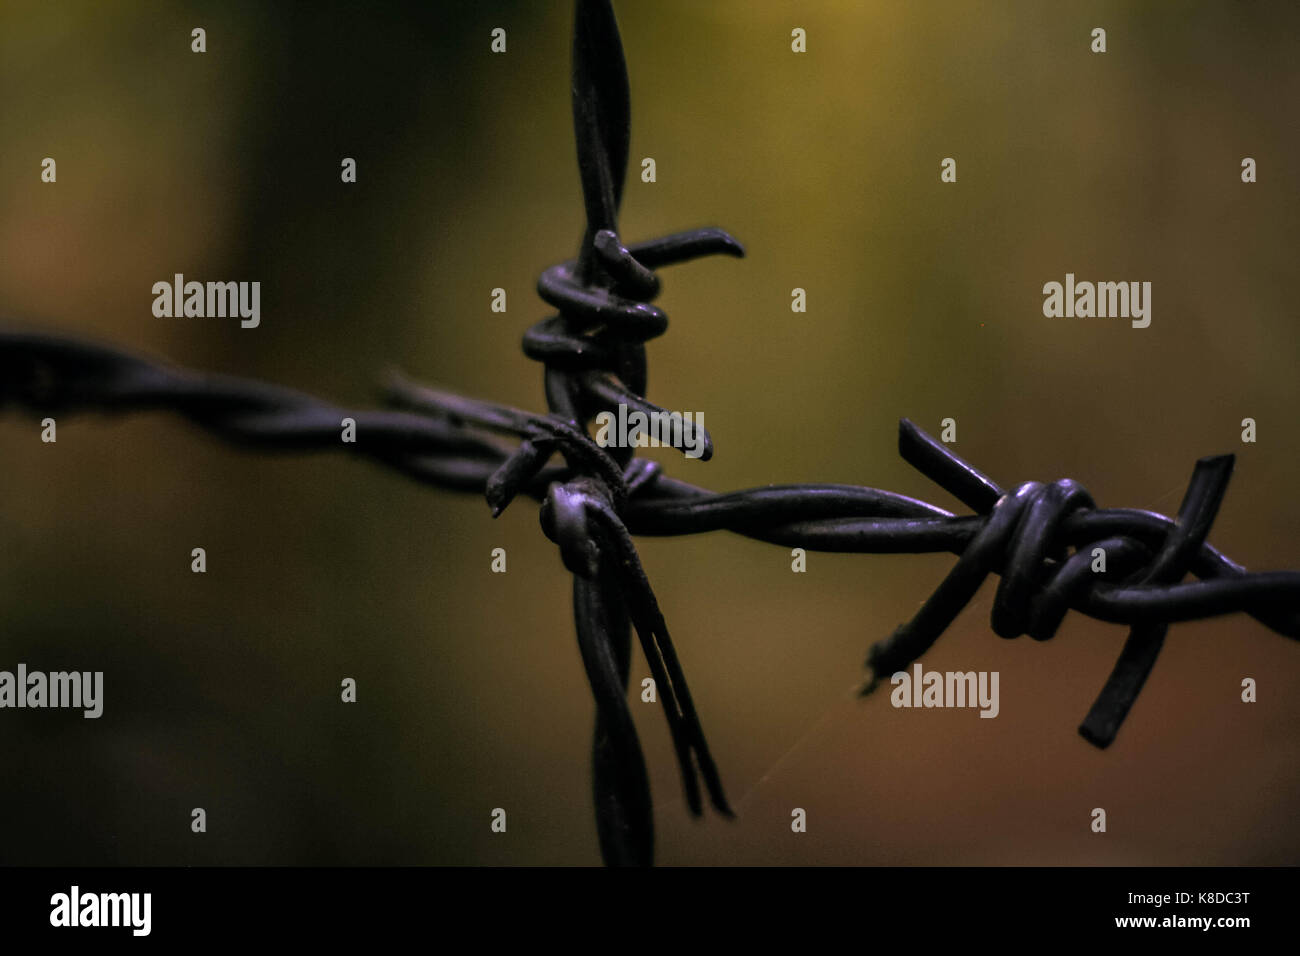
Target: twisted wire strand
[[1038, 538]]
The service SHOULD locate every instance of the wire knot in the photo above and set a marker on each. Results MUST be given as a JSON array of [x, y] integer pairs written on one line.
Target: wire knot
[[594, 349], [1023, 546], [566, 516]]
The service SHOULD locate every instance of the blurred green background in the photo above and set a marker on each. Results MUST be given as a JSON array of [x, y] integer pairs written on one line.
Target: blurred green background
[[924, 300]]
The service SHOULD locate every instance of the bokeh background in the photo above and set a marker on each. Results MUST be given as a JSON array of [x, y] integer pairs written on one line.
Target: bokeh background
[[924, 300]]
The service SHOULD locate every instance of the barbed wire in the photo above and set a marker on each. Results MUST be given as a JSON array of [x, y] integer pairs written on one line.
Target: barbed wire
[[1040, 538]]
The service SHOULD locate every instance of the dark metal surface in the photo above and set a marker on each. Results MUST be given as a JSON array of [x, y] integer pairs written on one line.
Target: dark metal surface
[[1037, 537]]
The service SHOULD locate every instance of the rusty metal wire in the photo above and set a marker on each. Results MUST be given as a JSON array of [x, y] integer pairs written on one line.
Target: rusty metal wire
[[1038, 537]]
